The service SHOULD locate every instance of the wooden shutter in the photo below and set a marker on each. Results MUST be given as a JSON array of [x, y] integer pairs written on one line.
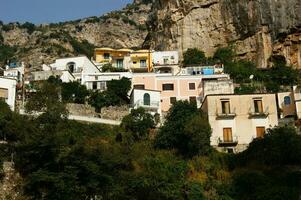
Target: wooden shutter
[[227, 134], [260, 131], [3, 93]]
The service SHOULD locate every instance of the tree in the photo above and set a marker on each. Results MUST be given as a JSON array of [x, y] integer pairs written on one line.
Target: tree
[[138, 123], [194, 56], [224, 55], [74, 92], [47, 100], [185, 130], [120, 88]]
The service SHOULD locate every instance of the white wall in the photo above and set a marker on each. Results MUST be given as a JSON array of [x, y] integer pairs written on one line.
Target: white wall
[[10, 85], [137, 98], [158, 57]]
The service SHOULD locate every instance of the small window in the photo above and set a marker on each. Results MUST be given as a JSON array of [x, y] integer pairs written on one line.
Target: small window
[[192, 99], [134, 62], [146, 99], [167, 87], [106, 56], [96, 77], [258, 106], [143, 63], [226, 107], [71, 66], [94, 86], [119, 63], [173, 100], [260, 131], [139, 87], [287, 100], [102, 85], [227, 133], [191, 86]]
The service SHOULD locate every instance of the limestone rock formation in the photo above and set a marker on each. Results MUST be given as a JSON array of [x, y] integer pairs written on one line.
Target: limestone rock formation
[[256, 28], [44, 43]]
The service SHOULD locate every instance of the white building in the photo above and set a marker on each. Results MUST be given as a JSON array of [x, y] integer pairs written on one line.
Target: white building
[[8, 91], [237, 119], [166, 61], [76, 65], [14, 71], [64, 75], [98, 81], [147, 99]]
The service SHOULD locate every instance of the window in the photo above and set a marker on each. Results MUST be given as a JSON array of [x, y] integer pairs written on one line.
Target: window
[[165, 60], [227, 133], [139, 87], [192, 99], [146, 99], [287, 100], [71, 66], [260, 131], [119, 63], [173, 100], [94, 86], [143, 63], [106, 56], [96, 77], [102, 85], [134, 62], [258, 106], [191, 86], [167, 87], [3, 93], [225, 107]]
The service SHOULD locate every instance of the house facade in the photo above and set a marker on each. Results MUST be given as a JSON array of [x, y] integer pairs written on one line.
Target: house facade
[[98, 81], [166, 62], [75, 65], [147, 99], [237, 119], [8, 91], [141, 61], [118, 58], [173, 88]]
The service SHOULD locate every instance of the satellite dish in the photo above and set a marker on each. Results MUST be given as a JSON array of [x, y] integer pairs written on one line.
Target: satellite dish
[[251, 77]]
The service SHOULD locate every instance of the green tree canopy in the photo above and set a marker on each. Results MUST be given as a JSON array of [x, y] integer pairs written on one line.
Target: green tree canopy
[[185, 129], [194, 56]]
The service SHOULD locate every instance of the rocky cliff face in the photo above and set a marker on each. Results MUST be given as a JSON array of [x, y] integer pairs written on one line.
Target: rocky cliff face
[[257, 29], [44, 43]]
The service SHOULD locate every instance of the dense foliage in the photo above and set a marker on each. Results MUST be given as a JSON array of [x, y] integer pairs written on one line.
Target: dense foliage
[[186, 129], [116, 94], [194, 56], [62, 159]]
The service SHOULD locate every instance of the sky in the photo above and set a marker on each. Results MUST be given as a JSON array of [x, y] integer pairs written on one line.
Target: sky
[[51, 11]]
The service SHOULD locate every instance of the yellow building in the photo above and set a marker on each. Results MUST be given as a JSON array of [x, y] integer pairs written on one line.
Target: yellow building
[[119, 58], [141, 61]]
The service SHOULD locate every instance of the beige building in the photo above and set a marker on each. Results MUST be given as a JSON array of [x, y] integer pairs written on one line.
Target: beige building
[[237, 119], [290, 103]]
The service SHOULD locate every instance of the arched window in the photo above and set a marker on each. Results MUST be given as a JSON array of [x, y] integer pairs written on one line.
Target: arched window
[[71, 66], [146, 99], [287, 100]]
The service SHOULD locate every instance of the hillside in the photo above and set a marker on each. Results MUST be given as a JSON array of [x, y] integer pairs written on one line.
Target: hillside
[[43, 43], [257, 29]]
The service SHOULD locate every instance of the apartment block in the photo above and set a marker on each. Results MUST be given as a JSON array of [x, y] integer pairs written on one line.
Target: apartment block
[[237, 119]]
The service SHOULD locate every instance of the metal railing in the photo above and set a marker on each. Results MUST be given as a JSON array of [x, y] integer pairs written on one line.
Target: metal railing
[[152, 104]]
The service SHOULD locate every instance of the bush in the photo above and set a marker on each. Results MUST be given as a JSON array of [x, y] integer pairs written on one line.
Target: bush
[[185, 130], [74, 92], [194, 56]]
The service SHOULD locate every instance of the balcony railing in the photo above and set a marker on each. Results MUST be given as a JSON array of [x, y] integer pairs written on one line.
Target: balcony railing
[[152, 105], [228, 143], [228, 115], [259, 114]]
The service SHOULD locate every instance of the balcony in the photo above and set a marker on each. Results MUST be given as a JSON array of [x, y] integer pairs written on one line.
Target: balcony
[[226, 115], [227, 143], [259, 113], [154, 105]]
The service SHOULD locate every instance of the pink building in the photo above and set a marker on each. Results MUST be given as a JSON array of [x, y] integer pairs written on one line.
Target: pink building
[[174, 88]]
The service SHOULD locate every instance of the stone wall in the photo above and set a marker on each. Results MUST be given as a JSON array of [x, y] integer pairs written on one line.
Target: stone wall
[[81, 110], [114, 112]]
